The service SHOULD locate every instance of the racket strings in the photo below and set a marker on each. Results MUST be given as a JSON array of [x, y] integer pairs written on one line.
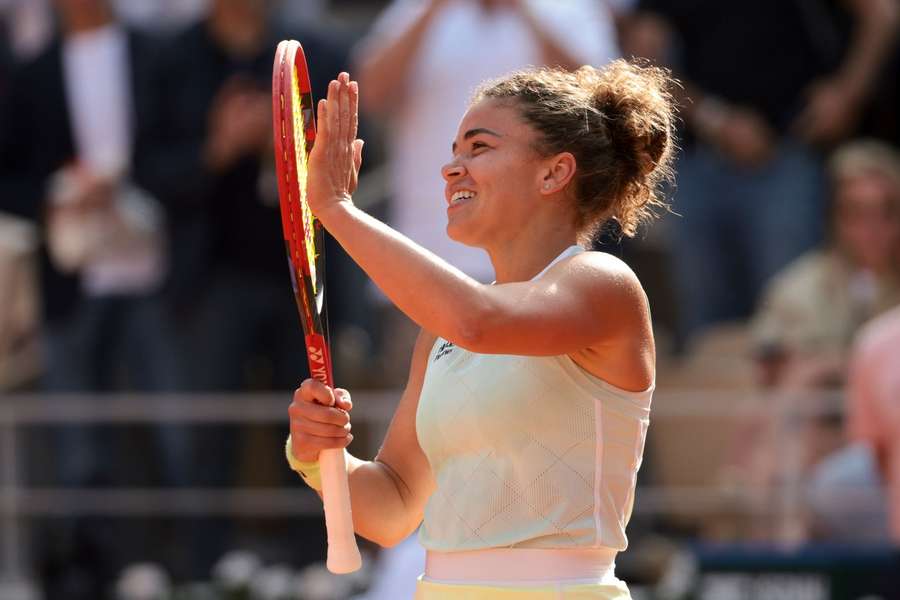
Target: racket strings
[[299, 131], [302, 231], [292, 230]]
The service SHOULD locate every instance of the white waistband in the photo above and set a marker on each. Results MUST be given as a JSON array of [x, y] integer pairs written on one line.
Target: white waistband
[[521, 565]]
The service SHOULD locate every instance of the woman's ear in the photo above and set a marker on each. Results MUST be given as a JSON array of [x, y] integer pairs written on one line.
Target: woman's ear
[[557, 173]]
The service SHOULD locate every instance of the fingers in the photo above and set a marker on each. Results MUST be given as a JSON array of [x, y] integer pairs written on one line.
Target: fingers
[[353, 91], [317, 402], [340, 153], [333, 114], [357, 163], [322, 121], [306, 447], [320, 429], [324, 415], [319, 419], [313, 390], [342, 399], [357, 152], [343, 108], [344, 100]]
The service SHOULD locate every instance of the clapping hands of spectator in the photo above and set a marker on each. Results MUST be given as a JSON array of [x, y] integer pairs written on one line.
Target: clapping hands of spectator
[[76, 190], [741, 134], [79, 207], [830, 114], [240, 124]]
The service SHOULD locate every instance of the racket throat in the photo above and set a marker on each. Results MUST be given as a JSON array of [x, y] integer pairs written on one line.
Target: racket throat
[[319, 359]]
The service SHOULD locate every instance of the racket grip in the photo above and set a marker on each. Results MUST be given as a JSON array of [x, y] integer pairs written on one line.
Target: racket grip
[[343, 554]]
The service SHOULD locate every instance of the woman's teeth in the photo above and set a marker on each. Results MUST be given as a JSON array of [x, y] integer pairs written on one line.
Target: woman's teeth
[[461, 195]]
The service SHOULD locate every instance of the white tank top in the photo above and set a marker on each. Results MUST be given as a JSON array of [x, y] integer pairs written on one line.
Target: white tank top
[[527, 451]]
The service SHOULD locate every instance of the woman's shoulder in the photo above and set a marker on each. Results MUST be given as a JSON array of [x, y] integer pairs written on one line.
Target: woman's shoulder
[[600, 275], [599, 268]]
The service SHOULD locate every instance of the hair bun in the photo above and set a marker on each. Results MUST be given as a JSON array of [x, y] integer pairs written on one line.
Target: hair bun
[[636, 104]]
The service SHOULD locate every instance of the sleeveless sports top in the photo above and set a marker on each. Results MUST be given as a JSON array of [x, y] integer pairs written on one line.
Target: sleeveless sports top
[[527, 451]]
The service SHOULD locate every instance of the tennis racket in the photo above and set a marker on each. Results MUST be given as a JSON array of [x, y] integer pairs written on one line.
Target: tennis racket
[[295, 133]]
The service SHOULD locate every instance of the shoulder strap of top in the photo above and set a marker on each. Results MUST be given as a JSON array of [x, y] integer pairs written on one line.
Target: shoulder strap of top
[[570, 251]]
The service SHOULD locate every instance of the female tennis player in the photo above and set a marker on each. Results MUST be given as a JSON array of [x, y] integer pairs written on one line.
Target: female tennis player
[[518, 438]]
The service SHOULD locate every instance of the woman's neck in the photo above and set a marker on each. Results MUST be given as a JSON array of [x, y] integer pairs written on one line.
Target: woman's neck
[[524, 256]]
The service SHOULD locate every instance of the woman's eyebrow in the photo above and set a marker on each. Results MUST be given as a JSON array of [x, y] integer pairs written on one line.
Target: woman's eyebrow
[[473, 132]]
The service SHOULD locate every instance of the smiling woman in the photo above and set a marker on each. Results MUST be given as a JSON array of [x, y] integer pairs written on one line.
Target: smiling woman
[[517, 441]]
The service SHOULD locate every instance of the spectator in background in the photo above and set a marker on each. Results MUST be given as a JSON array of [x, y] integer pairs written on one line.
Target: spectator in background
[[206, 152], [419, 64], [6, 61], [768, 82], [161, 14], [806, 323], [812, 309], [854, 493], [66, 133], [29, 26], [65, 157], [873, 410], [808, 318]]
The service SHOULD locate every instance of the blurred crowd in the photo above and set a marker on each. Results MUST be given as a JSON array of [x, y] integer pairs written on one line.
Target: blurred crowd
[[140, 242]]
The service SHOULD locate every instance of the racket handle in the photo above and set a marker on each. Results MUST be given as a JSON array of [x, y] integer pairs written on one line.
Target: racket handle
[[343, 554]]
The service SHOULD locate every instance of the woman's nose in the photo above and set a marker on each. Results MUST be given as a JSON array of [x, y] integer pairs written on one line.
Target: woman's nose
[[451, 171]]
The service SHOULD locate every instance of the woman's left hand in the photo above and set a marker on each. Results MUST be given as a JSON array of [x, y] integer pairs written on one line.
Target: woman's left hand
[[337, 154]]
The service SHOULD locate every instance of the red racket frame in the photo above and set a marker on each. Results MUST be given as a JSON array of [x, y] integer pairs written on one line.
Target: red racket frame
[[307, 278]]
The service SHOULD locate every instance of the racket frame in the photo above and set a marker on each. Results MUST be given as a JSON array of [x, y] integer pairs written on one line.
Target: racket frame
[[290, 82]]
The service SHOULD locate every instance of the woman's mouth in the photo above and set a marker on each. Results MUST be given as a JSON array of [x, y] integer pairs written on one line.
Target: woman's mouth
[[461, 196]]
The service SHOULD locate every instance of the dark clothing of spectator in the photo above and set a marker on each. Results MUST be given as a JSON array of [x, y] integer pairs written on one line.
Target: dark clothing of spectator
[[760, 54], [93, 341], [36, 140], [89, 339], [239, 210], [229, 284], [6, 62], [749, 189], [228, 275]]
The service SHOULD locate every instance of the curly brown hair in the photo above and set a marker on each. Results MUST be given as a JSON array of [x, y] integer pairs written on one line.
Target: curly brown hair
[[618, 122]]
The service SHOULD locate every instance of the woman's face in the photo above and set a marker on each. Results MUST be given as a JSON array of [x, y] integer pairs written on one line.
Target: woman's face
[[494, 178], [867, 220]]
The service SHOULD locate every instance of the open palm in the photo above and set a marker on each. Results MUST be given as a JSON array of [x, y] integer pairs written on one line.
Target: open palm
[[337, 154]]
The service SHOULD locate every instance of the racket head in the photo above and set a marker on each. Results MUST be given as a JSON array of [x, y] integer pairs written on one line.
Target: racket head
[[294, 128]]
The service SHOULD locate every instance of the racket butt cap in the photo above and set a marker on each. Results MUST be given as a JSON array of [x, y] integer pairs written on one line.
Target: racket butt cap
[[343, 560]]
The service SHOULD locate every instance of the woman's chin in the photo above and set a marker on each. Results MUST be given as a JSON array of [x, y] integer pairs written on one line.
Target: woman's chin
[[458, 234]]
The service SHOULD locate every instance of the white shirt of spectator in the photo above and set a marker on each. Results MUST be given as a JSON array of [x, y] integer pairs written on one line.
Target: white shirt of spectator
[[98, 90], [161, 14], [97, 77], [465, 46]]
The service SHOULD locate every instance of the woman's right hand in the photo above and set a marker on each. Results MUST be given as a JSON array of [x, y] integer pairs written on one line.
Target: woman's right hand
[[320, 419], [336, 157]]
